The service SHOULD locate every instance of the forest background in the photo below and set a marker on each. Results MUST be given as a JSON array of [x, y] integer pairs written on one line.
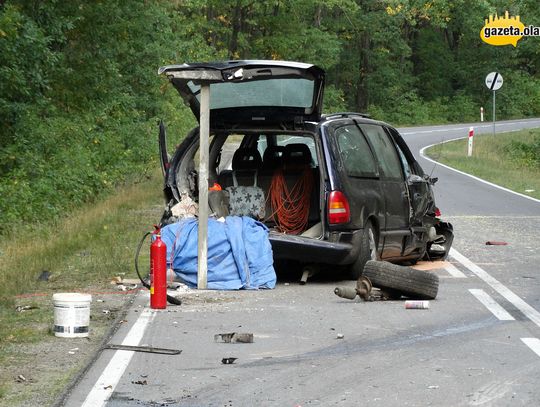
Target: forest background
[[80, 97]]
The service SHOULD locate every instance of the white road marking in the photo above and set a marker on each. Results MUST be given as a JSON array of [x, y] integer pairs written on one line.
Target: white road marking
[[521, 305], [491, 305], [533, 343], [447, 128], [454, 271], [469, 175], [105, 385]]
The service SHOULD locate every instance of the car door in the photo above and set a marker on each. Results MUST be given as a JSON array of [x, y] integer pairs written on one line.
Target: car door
[[394, 190], [359, 174]]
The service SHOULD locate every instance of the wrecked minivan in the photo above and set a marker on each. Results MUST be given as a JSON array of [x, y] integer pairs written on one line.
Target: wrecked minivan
[[337, 189]]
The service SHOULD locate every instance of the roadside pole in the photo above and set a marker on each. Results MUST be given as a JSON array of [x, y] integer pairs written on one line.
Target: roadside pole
[[471, 137], [481, 114], [493, 112], [204, 132], [494, 81]]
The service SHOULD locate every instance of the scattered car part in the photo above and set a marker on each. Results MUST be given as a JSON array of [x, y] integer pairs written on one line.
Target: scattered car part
[[234, 337], [415, 304], [495, 243], [228, 361], [418, 284], [44, 275], [362, 289], [346, 292], [146, 349]]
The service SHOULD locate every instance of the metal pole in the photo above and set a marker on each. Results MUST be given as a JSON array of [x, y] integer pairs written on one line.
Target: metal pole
[[494, 112], [204, 133]]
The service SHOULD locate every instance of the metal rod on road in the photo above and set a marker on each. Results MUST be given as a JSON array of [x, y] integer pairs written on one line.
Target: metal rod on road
[[204, 132]]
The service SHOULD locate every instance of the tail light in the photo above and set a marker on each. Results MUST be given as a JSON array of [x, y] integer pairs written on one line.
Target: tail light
[[338, 208], [437, 212]]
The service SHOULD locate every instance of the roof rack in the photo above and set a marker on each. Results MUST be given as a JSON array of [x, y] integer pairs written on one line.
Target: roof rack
[[343, 114]]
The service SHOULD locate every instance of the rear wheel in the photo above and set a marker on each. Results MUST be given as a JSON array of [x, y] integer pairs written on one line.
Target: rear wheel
[[368, 251]]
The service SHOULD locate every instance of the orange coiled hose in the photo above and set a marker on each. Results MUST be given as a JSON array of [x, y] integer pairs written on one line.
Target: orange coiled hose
[[291, 207]]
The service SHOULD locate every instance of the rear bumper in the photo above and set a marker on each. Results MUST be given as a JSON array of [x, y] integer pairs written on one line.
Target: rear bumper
[[344, 250]]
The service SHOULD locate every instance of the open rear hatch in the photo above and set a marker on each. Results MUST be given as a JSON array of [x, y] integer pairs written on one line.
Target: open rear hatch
[[252, 93]]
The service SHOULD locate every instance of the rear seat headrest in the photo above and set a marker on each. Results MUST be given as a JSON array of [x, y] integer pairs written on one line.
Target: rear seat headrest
[[297, 154], [246, 159], [273, 156]]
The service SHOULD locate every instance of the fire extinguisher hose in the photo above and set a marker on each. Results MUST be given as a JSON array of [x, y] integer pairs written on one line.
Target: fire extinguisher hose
[[170, 298]]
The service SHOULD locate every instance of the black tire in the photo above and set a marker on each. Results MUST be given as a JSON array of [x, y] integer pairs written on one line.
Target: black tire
[[417, 284], [368, 251]]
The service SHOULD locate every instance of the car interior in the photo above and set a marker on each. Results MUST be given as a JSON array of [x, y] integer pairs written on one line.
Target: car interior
[[284, 166]]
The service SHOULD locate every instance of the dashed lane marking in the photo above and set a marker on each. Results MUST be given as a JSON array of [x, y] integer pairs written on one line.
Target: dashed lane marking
[[454, 271], [107, 382], [533, 344], [491, 304], [521, 305]]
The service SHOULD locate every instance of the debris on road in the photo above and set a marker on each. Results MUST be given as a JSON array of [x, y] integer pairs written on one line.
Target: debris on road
[[234, 337], [362, 289], [20, 379], [414, 284], [141, 382], [228, 361], [340, 336], [414, 304], [146, 349], [495, 243], [44, 275], [22, 308]]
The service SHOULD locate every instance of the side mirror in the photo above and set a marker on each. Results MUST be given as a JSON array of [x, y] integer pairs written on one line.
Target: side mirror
[[414, 179]]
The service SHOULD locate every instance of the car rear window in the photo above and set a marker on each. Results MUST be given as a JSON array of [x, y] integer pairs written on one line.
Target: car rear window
[[355, 152], [270, 92]]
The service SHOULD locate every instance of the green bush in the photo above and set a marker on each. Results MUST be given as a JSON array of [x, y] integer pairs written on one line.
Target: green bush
[[526, 154]]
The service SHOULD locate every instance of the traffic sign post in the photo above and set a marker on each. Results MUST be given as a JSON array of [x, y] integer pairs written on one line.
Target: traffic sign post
[[494, 81]]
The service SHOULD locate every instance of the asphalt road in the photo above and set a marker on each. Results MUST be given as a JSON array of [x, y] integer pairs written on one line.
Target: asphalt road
[[477, 345]]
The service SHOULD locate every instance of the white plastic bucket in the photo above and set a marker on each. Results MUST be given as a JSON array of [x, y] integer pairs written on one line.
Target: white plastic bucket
[[71, 314]]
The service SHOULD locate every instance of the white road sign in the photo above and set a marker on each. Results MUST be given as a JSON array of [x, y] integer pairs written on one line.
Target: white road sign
[[494, 81]]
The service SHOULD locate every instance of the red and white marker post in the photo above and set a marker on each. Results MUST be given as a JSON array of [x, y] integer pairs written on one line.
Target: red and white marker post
[[471, 136]]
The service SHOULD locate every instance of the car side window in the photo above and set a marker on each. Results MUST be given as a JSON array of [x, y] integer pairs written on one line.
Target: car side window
[[355, 152], [404, 162], [385, 151]]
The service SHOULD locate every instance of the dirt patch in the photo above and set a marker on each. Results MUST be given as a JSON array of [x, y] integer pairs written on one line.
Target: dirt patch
[[36, 374]]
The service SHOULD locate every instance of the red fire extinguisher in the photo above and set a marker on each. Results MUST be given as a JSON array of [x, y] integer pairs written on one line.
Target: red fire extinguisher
[[158, 272]]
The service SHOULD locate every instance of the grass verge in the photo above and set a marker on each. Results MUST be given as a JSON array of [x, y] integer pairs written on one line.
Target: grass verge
[[82, 253], [511, 160]]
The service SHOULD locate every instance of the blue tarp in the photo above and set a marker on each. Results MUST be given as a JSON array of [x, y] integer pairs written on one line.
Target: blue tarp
[[239, 253]]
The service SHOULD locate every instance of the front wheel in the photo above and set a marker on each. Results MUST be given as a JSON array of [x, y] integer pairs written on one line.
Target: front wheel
[[368, 251]]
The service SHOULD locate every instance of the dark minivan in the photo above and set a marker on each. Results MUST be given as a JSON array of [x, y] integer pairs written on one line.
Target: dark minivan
[[339, 188]]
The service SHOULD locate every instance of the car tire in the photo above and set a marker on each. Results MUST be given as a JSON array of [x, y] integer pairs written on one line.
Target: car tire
[[368, 251], [417, 284]]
